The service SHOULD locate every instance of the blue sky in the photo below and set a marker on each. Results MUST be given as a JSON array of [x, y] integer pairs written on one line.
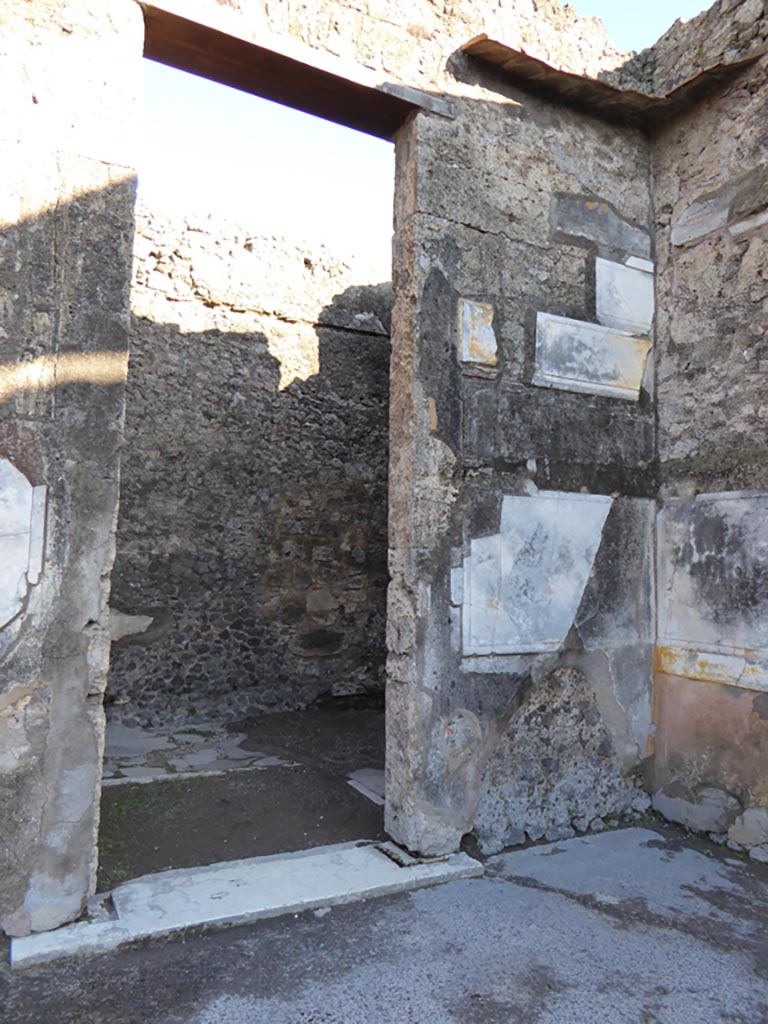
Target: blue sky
[[275, 170]]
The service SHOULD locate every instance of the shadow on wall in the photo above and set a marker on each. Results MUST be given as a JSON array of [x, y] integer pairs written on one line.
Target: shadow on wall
[[252, 537], [275, 500], [64, 297]]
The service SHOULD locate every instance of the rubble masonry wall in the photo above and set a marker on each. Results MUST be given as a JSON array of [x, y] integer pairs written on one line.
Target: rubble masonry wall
[[251, 564]]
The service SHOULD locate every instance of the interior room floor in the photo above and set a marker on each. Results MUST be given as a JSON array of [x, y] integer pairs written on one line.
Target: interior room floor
[[183, 797]]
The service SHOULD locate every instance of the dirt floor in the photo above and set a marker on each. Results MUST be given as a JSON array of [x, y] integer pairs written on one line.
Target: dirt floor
[[298, 797]]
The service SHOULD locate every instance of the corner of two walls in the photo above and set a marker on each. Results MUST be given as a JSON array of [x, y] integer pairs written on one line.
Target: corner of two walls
[[524, 225], [711, 672]]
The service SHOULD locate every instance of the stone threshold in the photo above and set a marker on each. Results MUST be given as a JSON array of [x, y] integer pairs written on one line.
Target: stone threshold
[[240, 892]]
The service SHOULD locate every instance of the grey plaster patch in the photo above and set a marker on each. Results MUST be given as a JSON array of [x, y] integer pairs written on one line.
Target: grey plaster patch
[[523, 586], [713, 587], [595, 220], [121, 624], [588, 358]]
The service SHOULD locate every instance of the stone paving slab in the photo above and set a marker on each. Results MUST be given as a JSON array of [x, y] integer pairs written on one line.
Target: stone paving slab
[[239, 892], [142, 754], [623, 927]]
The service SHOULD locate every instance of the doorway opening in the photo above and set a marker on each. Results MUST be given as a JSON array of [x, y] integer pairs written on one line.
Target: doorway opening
[[245, 701]]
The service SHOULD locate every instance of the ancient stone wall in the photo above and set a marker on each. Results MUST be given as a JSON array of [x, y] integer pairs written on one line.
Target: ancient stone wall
[[402, 41], [531, 473], [711, 200], [525, 450], [728, 31], [70, 74], [252, 538], [68, 99]]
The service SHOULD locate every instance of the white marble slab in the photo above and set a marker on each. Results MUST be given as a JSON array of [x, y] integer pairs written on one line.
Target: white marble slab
[[523, 586], [639, 263], [15, 501], [14, 559], [22, 527], [239, 892], [36, 534], [624, 297], [477, 340], [457, 585], [575, 356], [370, 783]]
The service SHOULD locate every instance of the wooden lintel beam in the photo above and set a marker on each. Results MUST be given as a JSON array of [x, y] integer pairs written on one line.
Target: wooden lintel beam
[[204, 51]]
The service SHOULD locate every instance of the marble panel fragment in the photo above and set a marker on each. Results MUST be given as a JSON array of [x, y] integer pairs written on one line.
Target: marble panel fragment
[[624, 296], [575, 356], [639, 264], [523, 586], [22, 525], [477, 340]]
